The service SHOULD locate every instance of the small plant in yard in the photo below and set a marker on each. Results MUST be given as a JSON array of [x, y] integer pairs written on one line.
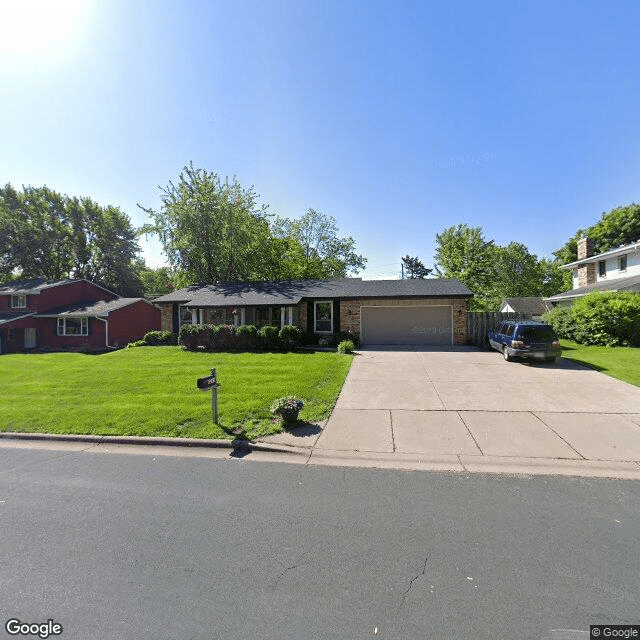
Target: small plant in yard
[[287, 408], [346, 346]]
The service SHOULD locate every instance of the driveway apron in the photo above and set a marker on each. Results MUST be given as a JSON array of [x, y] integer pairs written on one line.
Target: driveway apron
[[471, 406]]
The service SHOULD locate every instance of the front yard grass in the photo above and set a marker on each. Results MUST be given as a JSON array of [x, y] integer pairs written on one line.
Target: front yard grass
[[618, 362], [151, 391]]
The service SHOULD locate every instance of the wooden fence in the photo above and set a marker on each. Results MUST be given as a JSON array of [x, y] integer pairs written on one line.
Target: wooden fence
[[479, 323]]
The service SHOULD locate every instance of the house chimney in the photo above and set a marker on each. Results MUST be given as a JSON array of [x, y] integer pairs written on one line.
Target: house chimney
[[586, 272], [585, 247]]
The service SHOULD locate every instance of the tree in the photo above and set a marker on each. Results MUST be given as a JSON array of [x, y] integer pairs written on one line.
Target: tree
[[155, 282], [494, 272], [615, 228], [48, 235], [211, 230], [462, 252], [415, 268], [315, 249]]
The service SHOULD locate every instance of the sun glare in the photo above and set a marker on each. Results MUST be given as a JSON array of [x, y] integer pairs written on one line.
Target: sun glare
[[39, 29]]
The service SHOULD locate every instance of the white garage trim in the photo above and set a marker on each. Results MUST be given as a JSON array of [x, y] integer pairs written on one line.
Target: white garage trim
[[399, 307]]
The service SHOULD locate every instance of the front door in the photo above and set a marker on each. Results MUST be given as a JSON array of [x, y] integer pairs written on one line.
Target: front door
[[30, 338]]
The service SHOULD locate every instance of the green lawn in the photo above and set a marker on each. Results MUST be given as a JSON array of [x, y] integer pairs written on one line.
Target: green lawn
[[151, 391], [618, 362]]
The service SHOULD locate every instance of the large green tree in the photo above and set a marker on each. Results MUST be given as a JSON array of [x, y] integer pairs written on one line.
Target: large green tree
[[44, 234], [615, 228], [491, 271], [211, 230], [463, 252], [315, 249]]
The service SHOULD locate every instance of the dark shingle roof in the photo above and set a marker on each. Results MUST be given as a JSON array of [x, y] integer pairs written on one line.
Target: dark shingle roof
[[533, 306], [98, 308], [31, 286], [291, 292], [619, 284]]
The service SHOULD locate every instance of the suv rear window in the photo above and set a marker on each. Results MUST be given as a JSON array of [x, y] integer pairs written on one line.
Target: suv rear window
[[508, 330], [537, 334]]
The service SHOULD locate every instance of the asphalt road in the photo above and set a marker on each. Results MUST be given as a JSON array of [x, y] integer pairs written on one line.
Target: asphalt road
[[140, 546]]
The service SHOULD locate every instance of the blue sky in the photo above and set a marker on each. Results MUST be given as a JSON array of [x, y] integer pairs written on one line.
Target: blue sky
[[398, 119]]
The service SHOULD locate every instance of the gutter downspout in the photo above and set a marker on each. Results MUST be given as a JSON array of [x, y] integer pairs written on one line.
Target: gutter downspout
[[106, 332]]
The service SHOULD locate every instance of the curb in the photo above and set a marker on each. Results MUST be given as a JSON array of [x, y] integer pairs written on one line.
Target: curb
[[243, 445]]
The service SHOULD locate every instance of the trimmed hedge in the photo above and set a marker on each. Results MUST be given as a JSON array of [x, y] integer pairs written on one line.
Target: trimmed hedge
[[156, 339], [222, 337], [607, 318]]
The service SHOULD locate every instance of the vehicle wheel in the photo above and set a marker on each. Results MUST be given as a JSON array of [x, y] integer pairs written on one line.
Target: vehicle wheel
[[505, 354]]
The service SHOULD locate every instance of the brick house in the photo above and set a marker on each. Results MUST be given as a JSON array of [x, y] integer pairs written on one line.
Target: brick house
[[615, 270], [70, 315], [432, 311]]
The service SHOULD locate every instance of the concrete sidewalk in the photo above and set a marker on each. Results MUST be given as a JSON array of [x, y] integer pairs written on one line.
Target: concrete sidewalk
[[467, 410]]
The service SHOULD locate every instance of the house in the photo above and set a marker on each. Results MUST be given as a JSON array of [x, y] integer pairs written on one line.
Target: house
[[533, 307], [615, 270], [421, 312], [70, 315]]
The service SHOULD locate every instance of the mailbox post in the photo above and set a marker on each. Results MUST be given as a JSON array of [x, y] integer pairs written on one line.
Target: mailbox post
[[211, 383]]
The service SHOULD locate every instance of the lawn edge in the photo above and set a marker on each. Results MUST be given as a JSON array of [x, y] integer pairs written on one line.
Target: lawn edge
[[153, 440]]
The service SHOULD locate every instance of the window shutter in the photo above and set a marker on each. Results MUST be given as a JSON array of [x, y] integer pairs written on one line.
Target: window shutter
[[311, 328], [336, 316]]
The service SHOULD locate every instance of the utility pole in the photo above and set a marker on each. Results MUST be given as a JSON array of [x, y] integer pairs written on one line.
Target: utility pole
[[402, 267]]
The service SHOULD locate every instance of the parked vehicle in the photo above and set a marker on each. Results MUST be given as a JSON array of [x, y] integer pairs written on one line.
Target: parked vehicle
[[525, 339]]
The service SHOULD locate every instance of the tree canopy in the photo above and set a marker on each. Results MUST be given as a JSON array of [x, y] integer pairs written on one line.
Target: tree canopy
[[491, 271], [213, 230], [321, 253], [44, 234], [415, 268], [615, 228]]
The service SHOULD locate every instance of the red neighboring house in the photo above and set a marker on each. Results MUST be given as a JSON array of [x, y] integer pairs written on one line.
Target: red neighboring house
[[70, 315]]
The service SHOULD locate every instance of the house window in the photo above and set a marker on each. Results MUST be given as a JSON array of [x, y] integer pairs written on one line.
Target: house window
[[623, 263], [73, 326], [323, 317], [215, 316], [263, 317], [19, 301], [602, 268]]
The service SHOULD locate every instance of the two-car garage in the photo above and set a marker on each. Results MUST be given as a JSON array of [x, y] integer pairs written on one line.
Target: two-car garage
[[429, 325]]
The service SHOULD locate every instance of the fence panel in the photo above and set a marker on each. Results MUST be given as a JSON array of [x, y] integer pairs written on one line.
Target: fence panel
[[479, 323]]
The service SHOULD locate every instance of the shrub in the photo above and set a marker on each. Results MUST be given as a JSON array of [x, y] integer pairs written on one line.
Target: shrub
[[246, 337], [287, 408], [562, 322], [268, 337], [608, 318], [346, 346], [348, 335], [290, 336], [224, 337], [310, 339], [156, 338]]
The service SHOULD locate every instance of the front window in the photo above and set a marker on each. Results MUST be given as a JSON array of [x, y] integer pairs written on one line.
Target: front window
[[323, 317], [19, 301], [602, 269], [73, 326]]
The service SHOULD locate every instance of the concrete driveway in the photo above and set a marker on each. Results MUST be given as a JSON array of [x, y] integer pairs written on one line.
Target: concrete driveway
[[463, 409]]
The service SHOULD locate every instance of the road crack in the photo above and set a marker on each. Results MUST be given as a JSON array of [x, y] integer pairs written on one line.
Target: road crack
[[296, 565], [418, 575]]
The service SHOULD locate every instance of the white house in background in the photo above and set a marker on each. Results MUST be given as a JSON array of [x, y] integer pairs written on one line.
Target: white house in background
[[615, 270]]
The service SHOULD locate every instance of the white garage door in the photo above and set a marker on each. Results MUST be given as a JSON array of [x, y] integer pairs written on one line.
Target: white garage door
[[407, 325]]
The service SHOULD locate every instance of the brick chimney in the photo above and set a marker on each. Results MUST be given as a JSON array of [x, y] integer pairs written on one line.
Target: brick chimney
[[586, 272]]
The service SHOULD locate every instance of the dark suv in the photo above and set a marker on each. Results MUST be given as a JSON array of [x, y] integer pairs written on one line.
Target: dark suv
[[526, 339]]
